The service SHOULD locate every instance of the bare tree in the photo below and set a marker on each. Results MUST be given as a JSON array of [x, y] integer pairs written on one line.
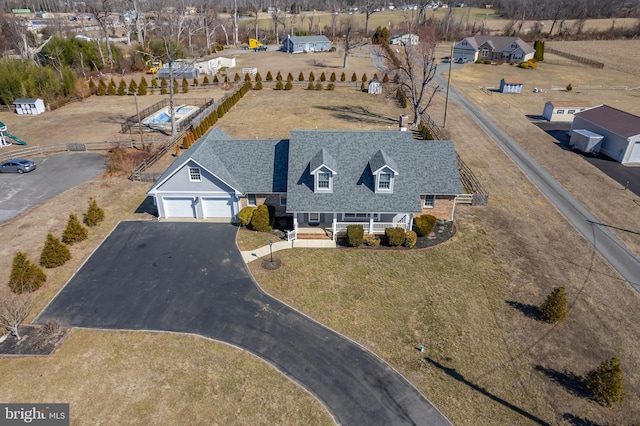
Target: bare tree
[[101, 9], [13, 310], [351, 40], [415, 68], [369, 9]]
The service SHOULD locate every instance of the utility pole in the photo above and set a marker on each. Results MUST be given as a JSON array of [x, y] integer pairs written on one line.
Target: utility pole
[[171, 110], [446, 100]]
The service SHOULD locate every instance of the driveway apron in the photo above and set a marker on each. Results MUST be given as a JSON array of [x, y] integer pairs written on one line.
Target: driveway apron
[[190, 278]]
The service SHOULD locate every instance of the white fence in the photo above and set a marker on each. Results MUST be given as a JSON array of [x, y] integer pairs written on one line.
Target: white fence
[[369, 228]]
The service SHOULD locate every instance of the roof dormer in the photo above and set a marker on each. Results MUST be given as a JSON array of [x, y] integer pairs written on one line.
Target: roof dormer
[[323, 168], [384, 171]]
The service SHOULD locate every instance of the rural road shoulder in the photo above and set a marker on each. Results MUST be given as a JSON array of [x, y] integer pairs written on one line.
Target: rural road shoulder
[[603, 240]]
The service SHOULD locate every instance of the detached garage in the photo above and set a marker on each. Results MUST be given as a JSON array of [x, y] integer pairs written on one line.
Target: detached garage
[[621, 132]]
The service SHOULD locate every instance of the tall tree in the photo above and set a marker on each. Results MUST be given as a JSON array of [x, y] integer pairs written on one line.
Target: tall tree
[[414, 68], [351, 40], [101, 9]]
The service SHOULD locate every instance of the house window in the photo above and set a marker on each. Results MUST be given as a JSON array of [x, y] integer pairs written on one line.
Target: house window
[[485, 52], [384, 181], [283, 200], [251, 199], [314, 217], [323, 180], [194, 174], [560, 111], [429, 201], [571, 111], [351, 216]]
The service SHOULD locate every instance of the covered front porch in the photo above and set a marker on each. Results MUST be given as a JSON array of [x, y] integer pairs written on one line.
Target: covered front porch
[[335, 224]]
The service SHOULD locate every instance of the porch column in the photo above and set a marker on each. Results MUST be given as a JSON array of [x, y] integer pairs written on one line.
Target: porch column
[[370, 223], [334, 226], [410, 222], [295, 221]]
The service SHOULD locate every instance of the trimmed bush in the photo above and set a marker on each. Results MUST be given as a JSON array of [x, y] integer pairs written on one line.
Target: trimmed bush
[[424, 224], [102, 88], [410, 239], [94, 214], [142, 87], [355, 235], [289, 85], [569, 87], [279, 85], [354, 77], [111, 88], [25, 276], [343, 77], [270, 77], [133, 87], [122, 88], [554, 309], [333, 77], [319, 86], [300, 76], [323, 77], [237, 77], [260, 221], [92, 87], [372, 241], [258, 85], [385, 79], [364, 78], [185, 85], [244, 215], [331, 86], [289, 77], [487, 61], [205, 81], [258, 77], [54, 253], [395, 236], [195, 82], [606, 384], [311, 76], [363, 87], [247, 77], [311, 86], [74, 232]]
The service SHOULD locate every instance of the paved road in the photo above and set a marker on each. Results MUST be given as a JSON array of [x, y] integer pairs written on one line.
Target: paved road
[[53, 175], [191, 278], [607, 244]]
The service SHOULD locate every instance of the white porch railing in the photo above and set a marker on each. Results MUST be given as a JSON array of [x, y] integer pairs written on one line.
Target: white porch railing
[[375, 228], [291, 235]]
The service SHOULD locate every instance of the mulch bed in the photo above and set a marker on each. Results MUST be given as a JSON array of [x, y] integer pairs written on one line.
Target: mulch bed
[[272, 266], [442, 232], [35, 340]]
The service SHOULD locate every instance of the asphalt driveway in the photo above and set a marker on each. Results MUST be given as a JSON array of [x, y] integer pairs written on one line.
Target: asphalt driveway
[[53, 175], [190, 277]]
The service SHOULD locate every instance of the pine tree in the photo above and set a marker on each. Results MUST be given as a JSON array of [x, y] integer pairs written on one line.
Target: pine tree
[[333, 77], [323, 77], [92, 87], [554, 309], [74, 232], [364, 77], [215, 78], [279, 85], [195, 82], [133, 87], [606, 383], [205, 80], [111, 89], [270, 77], [142, 88], [343, 77], [310, 86], [122, 88], [354, 77], [247, 77], [94, 214], [258, 85], [54, 253], [154, 83], [301, 76], [331, 86], [258, 77], [319, 86], [25, 276], [289, 77], [236, 77], [385, 79], [175, 86], [185, 85], [102, 88], [288, 86], [312, 77]]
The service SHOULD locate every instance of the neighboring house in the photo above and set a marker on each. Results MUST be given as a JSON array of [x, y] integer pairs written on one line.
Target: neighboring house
[[44, 15], [564, 110], [178, 73], [375, 87], [331, 179], [29, 106], [510, 86], [509, 49], [621, 132], [405, 39], [211, 66], [299, 44]]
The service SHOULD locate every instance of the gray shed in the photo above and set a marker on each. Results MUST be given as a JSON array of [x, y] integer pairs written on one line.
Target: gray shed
[[375, 87], [179, 74], [299, 44], [510, 86]]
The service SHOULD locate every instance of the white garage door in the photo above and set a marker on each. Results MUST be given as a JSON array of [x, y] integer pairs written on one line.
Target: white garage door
[[217, 207], [635, 153], [179, 207]]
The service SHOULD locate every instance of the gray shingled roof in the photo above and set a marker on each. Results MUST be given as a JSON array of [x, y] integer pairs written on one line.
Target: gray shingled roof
[[248, 166], [499, 43], [324, 158], [617, 121], [424, 167], [381, 159], [309, 39]]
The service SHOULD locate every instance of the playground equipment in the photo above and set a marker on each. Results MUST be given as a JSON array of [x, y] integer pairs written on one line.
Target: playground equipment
[[4, 136]]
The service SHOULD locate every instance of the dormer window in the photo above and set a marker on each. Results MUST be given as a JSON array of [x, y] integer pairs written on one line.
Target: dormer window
[[384, 181], [324, 180]]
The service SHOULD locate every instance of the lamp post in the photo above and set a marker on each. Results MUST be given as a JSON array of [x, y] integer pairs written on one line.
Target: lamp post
[[446, 100], [271, 250]]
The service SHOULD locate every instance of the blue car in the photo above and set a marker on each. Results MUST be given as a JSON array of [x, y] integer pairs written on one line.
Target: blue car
[[17, 165]]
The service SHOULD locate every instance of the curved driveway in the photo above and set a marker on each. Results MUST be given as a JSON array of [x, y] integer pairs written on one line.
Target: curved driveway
[[53, 175], [607, 244], [190, 278]]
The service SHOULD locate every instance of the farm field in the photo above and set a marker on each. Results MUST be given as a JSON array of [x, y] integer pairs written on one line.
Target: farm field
[[620, 55], [469, 301]]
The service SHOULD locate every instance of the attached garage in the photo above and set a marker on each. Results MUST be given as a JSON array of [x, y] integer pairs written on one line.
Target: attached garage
[[179, 207], [634, 157], [218, 207]]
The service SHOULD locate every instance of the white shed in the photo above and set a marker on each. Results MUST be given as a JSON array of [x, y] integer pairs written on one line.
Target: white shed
[[375, 87], [29, 106], [564, 110], [405, 39], [510, 86]]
